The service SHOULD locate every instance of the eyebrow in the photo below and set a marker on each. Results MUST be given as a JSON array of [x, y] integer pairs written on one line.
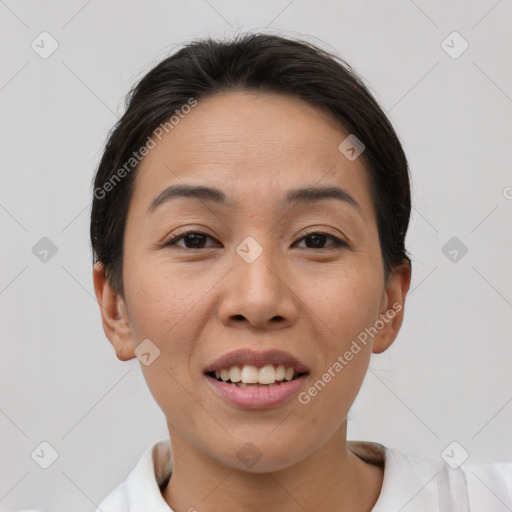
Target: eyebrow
[[301, 195]]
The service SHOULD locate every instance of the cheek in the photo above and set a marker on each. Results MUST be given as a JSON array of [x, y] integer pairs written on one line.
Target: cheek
[[167, 309], [348, 305], [167, 314], [345, 304], [162, 301]]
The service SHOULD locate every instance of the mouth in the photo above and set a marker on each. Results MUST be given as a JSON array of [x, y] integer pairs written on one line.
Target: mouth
[[256, 380], [248, 368], [255, 396], [251, 377]]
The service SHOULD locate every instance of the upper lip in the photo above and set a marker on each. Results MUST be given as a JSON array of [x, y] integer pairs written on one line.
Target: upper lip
[[259, 359]]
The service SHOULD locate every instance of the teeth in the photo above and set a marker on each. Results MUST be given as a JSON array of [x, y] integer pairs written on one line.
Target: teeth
[[256, 386], [250, 374], [235, 374], [267, 375], [288, 374]]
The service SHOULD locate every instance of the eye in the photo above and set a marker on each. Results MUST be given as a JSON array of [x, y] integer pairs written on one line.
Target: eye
[[317, 239], [191, 239], [196, 240]]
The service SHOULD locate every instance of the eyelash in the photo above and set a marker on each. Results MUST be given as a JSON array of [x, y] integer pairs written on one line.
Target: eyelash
[[173, 240]]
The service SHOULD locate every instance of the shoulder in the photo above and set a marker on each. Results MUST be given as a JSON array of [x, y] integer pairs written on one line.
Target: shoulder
[[141, 489], [488, 484], [116, 501], [418, 484], [409, 481], [446, 486]]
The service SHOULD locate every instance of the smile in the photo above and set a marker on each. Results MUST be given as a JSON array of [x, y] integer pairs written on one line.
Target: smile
[[255, 395]]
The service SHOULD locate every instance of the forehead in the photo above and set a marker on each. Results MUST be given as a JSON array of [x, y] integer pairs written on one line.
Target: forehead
[[250, 144]]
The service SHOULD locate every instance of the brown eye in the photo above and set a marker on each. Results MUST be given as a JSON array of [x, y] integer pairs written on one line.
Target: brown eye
[[191, 239], [317, 240]]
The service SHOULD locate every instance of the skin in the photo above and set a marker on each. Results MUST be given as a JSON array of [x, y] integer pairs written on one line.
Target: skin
[[311, 300]]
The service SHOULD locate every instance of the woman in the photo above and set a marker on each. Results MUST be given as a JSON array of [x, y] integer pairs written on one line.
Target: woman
[[248, 226]]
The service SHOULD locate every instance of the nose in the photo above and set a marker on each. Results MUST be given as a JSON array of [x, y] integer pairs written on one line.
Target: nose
[[259, 294]]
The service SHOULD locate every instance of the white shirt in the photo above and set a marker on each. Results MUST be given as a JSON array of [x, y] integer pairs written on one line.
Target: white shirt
[[410, 484]]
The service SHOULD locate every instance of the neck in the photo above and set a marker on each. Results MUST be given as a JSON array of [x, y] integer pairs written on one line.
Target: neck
[[332, 478]]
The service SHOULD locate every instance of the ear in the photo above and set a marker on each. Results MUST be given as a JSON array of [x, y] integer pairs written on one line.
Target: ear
[[392, 306], [114, 315]]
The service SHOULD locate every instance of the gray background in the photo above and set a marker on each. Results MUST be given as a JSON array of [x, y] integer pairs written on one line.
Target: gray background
[[446, 377]]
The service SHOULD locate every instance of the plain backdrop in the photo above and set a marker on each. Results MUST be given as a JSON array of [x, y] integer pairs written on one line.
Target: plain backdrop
[[446, 378]]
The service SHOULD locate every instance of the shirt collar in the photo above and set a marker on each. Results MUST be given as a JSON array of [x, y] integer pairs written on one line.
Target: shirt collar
[[146, 481], [151, 474]]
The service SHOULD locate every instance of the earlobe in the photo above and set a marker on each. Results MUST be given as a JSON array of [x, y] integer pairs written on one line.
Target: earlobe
[[114, 315], [392, 309]]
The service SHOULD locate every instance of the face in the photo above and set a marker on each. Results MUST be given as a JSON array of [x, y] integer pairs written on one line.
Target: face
[[258, 272]]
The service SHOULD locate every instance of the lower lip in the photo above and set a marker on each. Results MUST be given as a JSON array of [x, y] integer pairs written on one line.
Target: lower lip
[[258, 398]]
